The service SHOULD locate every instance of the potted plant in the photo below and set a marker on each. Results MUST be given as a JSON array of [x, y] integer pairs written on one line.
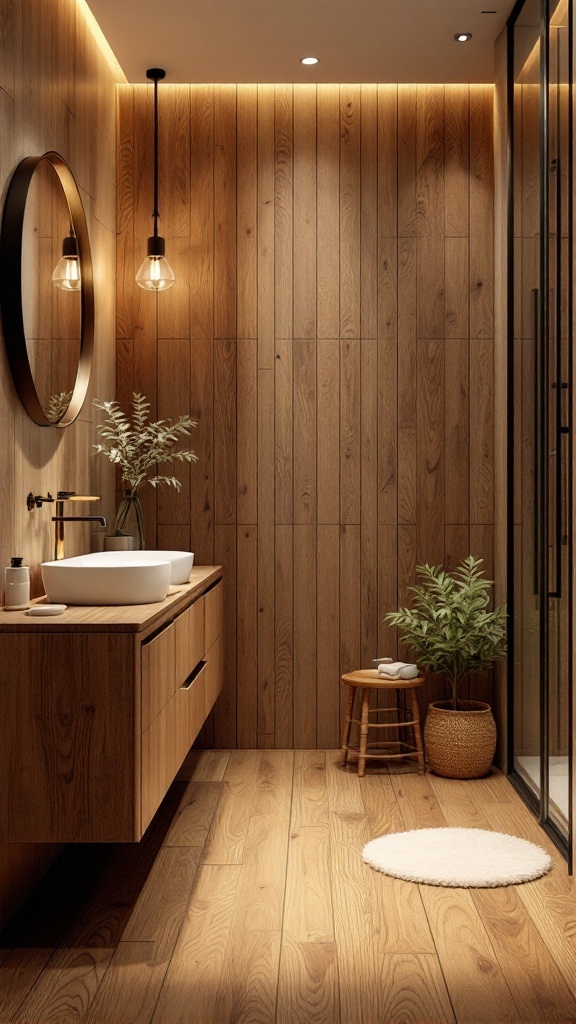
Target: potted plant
[[138, 446], [450, 629]]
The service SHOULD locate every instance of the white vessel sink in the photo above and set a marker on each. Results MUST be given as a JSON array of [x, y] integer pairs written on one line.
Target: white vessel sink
[[109, 581], [181, 562]]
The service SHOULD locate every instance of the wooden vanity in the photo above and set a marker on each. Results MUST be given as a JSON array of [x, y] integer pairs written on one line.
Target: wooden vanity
[[98, 709]]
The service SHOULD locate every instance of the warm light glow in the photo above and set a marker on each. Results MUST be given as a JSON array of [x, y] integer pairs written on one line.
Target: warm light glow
[[309, 60], [155, 274], [67, 274], [106, 50], [463, 37]]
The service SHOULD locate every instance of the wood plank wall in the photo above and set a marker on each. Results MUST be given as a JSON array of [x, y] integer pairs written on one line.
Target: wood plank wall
[[332, 329], [57, 91]]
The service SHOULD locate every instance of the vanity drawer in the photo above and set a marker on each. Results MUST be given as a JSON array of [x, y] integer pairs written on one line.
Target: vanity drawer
[[158, 672], [168, 739], [190, 646], [214, 674], [214, 618]]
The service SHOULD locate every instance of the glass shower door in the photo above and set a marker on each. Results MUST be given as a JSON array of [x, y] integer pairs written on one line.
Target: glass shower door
[[540, 399], [556, 793], [526, 404]]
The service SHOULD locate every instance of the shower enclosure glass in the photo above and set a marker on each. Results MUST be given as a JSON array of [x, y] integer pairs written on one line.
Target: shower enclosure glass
[[540, 295]]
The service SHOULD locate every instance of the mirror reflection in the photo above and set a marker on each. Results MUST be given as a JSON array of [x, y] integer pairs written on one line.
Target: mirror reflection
[[47, 290], [51, 293]]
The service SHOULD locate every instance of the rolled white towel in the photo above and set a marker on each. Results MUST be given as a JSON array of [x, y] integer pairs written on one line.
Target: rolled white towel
[[398, 670]]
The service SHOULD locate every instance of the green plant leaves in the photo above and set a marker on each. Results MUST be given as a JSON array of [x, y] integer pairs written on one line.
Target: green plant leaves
[[138, 445], [449, 626]]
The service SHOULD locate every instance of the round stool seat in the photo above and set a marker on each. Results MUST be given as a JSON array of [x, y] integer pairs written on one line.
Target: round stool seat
[[363, 682], [370, 677]]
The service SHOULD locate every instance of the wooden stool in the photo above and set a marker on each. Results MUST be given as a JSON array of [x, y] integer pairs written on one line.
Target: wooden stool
[[364, 681]]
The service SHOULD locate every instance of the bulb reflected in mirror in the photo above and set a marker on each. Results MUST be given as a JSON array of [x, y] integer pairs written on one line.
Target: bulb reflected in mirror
[[155, 274], [66, 274]]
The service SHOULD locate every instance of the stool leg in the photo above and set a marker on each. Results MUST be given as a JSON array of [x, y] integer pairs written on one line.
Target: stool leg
[[417, 733], [363, 732], [347, 725]]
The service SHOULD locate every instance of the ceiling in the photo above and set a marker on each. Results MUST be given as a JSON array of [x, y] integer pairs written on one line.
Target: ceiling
[[263, 40]]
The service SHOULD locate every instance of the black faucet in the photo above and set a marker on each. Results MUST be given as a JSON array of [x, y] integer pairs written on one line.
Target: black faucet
[[60, 518]]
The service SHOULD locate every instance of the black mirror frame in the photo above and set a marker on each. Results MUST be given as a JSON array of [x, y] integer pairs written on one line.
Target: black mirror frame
[[11, 288]]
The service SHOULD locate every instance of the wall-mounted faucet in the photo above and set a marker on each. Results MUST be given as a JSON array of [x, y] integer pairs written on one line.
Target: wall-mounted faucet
[[59, 519]]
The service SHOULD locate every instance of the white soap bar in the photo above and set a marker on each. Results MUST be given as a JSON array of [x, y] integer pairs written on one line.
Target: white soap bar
[[46, 609]]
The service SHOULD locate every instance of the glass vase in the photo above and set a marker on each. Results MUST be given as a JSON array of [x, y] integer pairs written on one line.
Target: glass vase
[[130, 520]]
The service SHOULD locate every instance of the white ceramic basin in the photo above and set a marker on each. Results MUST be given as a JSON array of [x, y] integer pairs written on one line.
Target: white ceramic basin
[[181, 562], [111, 581]]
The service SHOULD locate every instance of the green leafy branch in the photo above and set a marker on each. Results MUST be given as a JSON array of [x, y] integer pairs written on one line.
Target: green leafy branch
[[137, 445], [449, 626]]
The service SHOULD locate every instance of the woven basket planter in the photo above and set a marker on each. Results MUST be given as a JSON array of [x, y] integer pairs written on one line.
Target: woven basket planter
[[460, 744]]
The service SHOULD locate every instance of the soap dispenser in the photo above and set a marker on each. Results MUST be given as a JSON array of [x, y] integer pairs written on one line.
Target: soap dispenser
[[17, 586]]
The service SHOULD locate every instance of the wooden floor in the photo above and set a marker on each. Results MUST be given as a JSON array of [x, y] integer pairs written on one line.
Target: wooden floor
[[247, 901]]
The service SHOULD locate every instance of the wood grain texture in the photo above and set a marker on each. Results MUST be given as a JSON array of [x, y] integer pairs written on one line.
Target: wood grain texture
[[266, 217], [58, 92], [340, 222], [293, 926]]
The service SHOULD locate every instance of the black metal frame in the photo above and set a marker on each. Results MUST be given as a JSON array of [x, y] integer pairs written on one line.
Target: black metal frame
[[11, 288], [539, 805]]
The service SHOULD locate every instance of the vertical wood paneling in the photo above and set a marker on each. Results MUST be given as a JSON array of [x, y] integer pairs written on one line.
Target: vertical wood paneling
[[225, 211], [247, 429], [283, 440], [266, 241], [58, 92], [327, 629], [283, 210], [456, 431], [328, 211], [225, 458], [266, 641], [349, 211], [305, 648], [482, 434], [174, 207], [481, 213], [225, 714], [456, 161], [247, 635], [407, 136], [174, 395], [369, 211], [304, 199], [304, 398], [247, 210], [350, 431], [430, 453], [369, 500], [202, 409], [201, 211], [338, 236], [284, 637], [328, 471]]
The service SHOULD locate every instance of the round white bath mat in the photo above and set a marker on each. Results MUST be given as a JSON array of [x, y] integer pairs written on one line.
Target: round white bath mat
[[460, 857]]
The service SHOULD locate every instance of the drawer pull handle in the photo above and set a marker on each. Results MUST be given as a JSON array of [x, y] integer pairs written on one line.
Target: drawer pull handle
[[193, 675]]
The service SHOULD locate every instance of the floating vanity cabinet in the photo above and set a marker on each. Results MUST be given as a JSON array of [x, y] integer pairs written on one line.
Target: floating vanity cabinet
[[99, 708]]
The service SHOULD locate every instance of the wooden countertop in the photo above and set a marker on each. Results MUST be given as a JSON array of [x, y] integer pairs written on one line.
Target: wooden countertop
[[133, 618]]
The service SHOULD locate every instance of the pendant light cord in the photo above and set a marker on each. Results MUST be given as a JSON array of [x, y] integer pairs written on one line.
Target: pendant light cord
[[155, 214], [155, 75]]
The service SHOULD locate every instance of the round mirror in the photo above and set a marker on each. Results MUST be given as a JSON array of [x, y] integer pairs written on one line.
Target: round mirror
[[46, 290]]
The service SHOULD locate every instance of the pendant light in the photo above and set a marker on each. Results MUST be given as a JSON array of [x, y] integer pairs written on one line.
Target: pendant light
[[67, 271], [155, 274]]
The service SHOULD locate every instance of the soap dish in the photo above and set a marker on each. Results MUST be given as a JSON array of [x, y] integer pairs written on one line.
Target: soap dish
[[46, 609]]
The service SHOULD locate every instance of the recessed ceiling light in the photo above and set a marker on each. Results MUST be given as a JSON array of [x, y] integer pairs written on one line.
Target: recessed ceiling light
[[309, 60], [463, 37]]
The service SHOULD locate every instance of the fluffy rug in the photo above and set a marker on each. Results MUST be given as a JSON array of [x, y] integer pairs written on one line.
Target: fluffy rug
[[460, 857]]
